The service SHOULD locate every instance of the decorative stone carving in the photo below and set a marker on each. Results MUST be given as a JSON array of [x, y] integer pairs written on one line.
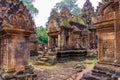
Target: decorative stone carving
[[16, 28], [107, 67], [67, 30], [88, 15]]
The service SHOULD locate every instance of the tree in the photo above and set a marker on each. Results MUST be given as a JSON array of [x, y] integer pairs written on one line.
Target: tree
[[70, 5], [30, 6], [42, 35]]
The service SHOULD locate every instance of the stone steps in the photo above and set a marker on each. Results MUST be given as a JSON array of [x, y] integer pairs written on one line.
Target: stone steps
[[105, 72], [43, 59]]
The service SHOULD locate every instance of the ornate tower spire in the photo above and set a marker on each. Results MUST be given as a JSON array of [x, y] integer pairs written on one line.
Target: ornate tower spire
[[87, 11], [54, 14]]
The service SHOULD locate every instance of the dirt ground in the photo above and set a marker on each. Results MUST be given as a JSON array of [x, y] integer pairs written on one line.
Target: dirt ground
[[71, 70]]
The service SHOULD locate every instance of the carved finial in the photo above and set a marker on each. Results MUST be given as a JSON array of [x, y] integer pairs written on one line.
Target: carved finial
[[54, 14]]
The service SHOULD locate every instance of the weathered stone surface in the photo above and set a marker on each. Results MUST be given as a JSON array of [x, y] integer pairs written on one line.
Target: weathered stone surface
[[65, 31], [16, 28], [108, 18]]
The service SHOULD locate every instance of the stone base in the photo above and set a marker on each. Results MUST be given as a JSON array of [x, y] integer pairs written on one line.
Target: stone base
[[103, 72], [26, 74], [71, 54]]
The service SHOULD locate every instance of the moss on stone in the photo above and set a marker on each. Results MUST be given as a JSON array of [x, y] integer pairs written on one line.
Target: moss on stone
[[66, 23], [78, 20]]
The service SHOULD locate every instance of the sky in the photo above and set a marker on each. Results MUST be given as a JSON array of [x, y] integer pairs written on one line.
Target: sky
[[45, 7]]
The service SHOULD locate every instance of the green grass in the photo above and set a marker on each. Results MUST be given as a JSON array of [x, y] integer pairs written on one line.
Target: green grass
[[90, 62]]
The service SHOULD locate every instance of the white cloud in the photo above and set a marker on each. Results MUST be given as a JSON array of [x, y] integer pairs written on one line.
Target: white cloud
[[45, 6]]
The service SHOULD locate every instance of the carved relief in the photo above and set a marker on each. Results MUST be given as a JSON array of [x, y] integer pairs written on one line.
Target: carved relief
[[52, 26], [21, 20], [16, 27], [108, 46], [6, 22]]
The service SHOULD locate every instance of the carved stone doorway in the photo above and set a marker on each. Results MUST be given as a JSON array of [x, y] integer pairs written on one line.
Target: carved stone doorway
[[108, 46], [54, 41], [67, 40]]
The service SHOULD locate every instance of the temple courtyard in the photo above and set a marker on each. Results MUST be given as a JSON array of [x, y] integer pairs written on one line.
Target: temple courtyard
[[79, 47], [71, 70]]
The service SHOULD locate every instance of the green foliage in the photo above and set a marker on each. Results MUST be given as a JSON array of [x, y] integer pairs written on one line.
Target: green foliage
[[30, 6], [66, 23], [42, 35], [70, 5], [76, 11]]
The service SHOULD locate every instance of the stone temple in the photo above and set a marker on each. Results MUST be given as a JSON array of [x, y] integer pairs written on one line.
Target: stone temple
[[107, 22], [16, 28], [71, 34]]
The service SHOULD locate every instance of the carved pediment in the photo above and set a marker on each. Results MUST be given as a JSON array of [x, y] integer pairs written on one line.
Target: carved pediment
[[15, 15], [106, 11], [52, 26]]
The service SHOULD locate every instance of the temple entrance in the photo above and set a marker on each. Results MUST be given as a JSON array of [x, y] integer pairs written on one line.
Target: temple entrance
[[54, 42], [67, 40]]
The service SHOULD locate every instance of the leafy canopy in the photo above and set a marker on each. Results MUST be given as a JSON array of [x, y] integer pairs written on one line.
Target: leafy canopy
[[70, 5], [42, 35], [30, 6]]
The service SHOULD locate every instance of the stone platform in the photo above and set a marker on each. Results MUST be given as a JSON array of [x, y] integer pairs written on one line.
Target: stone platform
[[103, 71], [71, 54], [61, 56]]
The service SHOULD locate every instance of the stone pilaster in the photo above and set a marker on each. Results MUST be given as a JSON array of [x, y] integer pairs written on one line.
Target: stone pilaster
[[59, 41], [49, 42], [63, 40], [100, 47], [117, 29]]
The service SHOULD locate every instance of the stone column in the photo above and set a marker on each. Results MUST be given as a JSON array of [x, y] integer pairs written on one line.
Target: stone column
[[0, 55], [1, 52], [59, 41], [4, 53], [49, 42], [100, 46], [70, 38], [62, 39]]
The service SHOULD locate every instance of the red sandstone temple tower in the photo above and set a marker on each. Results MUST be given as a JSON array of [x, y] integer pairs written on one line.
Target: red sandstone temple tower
[[16, 26], [86, 14], [107, 22]]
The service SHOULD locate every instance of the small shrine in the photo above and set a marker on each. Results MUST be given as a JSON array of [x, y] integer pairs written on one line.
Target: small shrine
[[16, 27], [107, 22], [66, 31]]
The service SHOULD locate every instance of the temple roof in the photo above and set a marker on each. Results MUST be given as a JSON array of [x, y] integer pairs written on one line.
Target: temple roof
[[14, 14], [64, 18], [105, 3]]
